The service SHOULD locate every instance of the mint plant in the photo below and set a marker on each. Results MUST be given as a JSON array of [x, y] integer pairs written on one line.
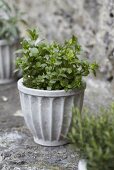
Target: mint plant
[[94, 135], [9, 19], [52, 66]]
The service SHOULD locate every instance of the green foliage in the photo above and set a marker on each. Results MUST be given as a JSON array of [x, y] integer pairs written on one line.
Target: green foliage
[[94, 135], [9, 19], [52, 66]]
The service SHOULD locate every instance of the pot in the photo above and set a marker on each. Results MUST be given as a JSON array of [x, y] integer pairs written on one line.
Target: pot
[[7, 61], [48, 114], [82, 165]]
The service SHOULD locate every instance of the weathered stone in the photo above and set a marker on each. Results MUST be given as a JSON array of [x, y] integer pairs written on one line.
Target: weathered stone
[[91, 20]]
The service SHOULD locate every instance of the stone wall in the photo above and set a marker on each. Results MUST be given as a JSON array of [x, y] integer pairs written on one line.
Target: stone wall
[[91, 20]]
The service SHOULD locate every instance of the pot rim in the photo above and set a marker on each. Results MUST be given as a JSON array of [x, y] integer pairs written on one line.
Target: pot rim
[[7, 42], [82, 164], [48, 93], [3, 42]]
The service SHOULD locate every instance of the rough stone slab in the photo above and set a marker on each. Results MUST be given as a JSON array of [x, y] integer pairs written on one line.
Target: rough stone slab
[[17, 150]]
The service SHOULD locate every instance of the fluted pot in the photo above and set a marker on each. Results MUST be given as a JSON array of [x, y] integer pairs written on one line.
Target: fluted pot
[[48, 114], [7, 61]]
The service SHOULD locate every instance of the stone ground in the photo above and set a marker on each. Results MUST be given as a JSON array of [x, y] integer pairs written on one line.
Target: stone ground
[[17, 148]]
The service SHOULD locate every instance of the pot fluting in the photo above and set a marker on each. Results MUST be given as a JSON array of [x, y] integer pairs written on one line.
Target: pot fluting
[[48, 114]]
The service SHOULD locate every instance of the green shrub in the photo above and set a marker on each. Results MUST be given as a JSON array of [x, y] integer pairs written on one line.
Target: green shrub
[[52, 66], [9, 19], [94, 135]]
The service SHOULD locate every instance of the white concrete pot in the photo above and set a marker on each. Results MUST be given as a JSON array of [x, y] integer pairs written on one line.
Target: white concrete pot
[[7, 61], [82, 165], [48, 113]]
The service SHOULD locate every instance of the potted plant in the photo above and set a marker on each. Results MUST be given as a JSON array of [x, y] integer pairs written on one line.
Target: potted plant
[[9, 38], [94, 135], [52, 84]]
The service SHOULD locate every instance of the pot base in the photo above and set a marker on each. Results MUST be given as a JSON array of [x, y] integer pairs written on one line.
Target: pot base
[[6, 81], [49, 143]]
